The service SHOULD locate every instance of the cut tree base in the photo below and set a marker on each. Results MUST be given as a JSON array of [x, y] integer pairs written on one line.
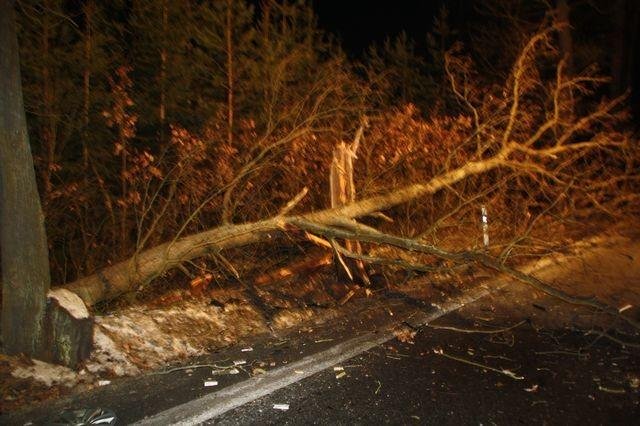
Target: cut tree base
[[68, 329]]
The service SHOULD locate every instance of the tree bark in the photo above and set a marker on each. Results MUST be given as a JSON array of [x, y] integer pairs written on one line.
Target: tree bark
[[25, 264]]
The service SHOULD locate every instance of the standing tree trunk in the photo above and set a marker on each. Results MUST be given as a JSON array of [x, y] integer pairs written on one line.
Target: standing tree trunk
[[53, 326], [88, 10], [566, 48], [25, 264], [229, 40], [566, 39], [162, 110], [48, 128]]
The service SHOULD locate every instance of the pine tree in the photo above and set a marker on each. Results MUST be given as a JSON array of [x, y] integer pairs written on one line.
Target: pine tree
[[402, 70], [160, 50]]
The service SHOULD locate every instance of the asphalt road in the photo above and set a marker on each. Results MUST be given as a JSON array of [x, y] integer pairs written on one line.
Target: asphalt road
[[526, 375], [290, 357], [402, 383]]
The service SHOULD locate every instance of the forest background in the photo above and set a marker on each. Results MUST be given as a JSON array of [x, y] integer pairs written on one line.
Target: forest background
[[154, 119]]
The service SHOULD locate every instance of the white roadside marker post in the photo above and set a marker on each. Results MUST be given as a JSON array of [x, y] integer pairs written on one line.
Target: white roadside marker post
[[485, 226]]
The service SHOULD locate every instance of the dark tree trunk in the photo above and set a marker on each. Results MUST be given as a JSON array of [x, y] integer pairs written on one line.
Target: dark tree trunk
[[25, 265], [566, 39], [618, 52], [52, 326], [229, 41]]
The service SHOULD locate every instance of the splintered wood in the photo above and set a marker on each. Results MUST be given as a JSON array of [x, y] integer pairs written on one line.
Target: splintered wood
[[199, 284], [343, 192], [294, 269]]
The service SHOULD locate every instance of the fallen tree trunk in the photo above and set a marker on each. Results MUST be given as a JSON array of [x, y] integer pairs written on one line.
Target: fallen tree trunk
[[128, 275], [530, 136], [364, 233]]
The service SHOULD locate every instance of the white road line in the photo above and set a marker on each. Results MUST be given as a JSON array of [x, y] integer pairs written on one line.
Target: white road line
[[215, 404]]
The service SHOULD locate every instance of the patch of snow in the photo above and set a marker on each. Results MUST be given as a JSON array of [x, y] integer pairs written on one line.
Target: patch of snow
[[289, 318], [140, 338], [70, 301], [47, 374], [106, 357]]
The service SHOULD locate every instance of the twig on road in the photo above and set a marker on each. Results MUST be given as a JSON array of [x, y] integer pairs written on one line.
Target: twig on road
[[618, 391], [472, 330], [505, 372], [186, 367], [606, 335]]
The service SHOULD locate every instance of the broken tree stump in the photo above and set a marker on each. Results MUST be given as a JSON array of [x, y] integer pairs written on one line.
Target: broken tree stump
[[343, 192], [68, 329]]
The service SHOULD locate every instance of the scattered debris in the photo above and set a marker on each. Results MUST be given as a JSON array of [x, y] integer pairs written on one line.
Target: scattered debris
[[199, 284], [346, 297], [86, 416], [104, 382], [338, 368], [47, 374], [220, 370], [506, 372], [580, 354], [505, 358], [210, 383], [470, 330], [256, 371], [378, 388], [283, 407], [340, 375], [188, 369], [540, 402], [239, 362], [405, 334], [298, 371], [249, 349], [533, 388], [634, 381], [323, 340], [624, 308], [540, 307], [611, 390]]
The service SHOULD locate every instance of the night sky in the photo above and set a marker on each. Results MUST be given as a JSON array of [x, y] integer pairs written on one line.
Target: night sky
[[358, 23]]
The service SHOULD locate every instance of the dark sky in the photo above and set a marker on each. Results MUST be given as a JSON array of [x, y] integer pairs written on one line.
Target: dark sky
[[358, 23]]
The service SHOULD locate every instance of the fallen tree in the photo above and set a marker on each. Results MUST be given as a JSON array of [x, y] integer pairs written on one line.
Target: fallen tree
[[530, 130], [128, 275]]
